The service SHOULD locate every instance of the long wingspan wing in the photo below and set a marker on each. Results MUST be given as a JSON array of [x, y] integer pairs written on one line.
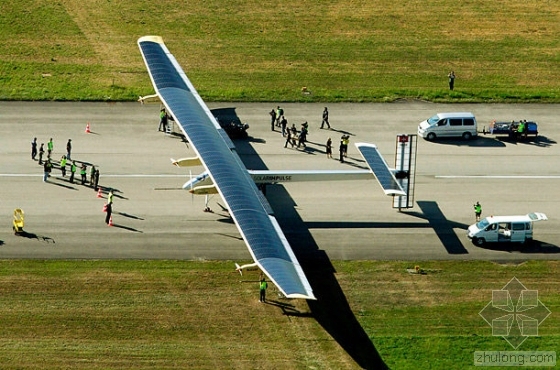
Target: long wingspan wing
[[250, 211]]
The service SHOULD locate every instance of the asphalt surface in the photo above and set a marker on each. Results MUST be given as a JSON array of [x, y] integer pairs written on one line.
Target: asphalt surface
[[155, 219]]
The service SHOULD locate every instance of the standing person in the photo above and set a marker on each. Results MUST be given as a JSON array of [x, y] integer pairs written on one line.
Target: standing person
[[279, 114], [162, 120], [329, 148], [477, 211], [272, 119], [341, 151], [63, 166], [303, 135], [451, 77], [83, 173], [345, 142], [109, 206], [41, 152], [293, 134], [50, 147], [68, 149], [326, 119], [520, 128], [72, 171], [96, 182], [47, 170], [34, 148], [92, 175], [288, 139], [283, 123], [262, 290]]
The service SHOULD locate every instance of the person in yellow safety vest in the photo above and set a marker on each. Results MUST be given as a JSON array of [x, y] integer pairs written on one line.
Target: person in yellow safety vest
[[63, 165], [263, 286], [109, 206], [345, 142], [72, 171], [50, 147], [477, 211], [162, 120], [520, 128], [83, 172]]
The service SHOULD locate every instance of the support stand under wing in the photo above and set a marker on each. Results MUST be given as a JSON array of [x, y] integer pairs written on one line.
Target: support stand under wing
[[405, 169]]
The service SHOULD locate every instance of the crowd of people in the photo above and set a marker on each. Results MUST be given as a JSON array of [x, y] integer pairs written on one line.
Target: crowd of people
[[298, 138], [66, 161]]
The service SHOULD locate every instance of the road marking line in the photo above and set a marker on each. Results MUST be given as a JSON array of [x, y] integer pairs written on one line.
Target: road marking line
[[77, 176], [495, 177]]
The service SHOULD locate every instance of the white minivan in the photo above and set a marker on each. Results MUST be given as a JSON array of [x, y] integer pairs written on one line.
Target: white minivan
[[461, 124], [496, 229]]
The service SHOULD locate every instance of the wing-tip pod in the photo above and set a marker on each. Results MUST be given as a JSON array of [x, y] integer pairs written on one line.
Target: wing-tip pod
[[157, 39], [380, 169], [301, 296]]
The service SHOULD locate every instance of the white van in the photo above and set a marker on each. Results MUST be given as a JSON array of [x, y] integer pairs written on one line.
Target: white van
[[495, 229], [462, 124]]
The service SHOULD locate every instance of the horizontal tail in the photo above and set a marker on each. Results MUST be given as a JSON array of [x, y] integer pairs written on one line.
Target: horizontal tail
[[380, 169]]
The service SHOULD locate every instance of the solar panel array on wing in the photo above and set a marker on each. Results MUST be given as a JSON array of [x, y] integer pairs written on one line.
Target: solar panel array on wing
[[227, 171], [379, 167]]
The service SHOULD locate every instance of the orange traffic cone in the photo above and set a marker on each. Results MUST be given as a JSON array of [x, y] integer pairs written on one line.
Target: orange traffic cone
[[99, 194], [105, 207], [110, 221], [87, 128]]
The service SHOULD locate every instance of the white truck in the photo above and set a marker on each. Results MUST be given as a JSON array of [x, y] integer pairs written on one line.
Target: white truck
[[495, 229]]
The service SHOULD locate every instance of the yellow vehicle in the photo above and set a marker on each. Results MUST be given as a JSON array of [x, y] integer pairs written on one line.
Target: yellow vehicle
[[18, 220]]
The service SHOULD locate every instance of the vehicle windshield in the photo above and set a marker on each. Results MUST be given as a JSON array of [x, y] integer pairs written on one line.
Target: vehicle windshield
[[482, 224], [433, 120]]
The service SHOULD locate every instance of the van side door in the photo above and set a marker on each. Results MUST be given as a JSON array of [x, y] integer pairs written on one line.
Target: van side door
[[518, 232], [504, 232], [442, 128], [455, 126], [490, 234]]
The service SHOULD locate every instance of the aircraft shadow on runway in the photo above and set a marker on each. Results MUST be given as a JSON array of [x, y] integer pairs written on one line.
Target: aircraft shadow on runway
[[364, 225], [331, 309], [442, 226]]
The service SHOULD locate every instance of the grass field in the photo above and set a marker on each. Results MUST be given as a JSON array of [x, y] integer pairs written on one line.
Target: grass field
[[246, 50], [203, 315]]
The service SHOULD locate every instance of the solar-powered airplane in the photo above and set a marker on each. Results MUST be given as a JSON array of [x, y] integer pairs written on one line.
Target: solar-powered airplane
[[225, 174]]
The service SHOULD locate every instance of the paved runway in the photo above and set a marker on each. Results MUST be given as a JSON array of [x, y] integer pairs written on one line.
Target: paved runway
[[155, 218]]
